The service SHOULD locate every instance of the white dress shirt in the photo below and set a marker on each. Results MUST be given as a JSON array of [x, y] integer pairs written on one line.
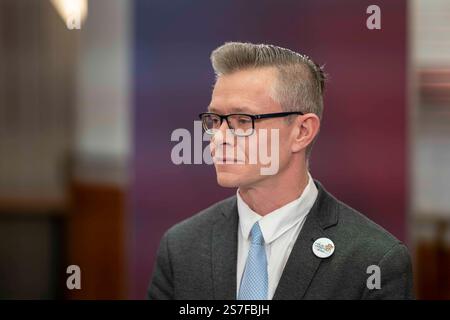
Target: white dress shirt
[[280, 229]]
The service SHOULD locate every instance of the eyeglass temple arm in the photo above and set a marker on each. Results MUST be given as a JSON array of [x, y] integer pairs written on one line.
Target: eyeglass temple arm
[[275, 115]]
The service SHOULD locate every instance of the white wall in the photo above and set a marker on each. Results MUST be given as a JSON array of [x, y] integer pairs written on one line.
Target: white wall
[[103, 110]]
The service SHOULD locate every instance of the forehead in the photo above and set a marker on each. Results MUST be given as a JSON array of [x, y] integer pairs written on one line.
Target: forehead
[[248, 90]]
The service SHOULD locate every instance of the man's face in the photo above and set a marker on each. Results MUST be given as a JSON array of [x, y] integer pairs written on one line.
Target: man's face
[[248, 91]]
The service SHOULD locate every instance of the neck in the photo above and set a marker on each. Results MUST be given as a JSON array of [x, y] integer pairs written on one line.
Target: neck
[[275, 192]]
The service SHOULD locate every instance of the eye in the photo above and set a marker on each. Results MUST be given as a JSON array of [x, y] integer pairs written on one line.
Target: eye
[[244, 120]]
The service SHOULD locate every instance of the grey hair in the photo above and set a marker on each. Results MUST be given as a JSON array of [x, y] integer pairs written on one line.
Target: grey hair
[[300, 82]]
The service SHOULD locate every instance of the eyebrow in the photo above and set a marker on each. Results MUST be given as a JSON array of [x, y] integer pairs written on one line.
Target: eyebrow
[[233, 110]]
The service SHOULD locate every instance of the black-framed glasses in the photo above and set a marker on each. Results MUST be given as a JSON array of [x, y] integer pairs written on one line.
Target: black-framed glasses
[[240, 124]]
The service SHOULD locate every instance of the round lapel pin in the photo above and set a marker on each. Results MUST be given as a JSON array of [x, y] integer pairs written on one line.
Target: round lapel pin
[[323, 247]]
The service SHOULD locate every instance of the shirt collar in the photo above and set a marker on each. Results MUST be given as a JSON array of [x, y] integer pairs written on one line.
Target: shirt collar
[[277, 222]]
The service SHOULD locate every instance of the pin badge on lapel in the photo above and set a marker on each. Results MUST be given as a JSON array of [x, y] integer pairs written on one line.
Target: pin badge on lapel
[[323, 247]]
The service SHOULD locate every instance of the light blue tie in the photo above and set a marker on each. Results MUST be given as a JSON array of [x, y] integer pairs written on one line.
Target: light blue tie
[[255, 282]]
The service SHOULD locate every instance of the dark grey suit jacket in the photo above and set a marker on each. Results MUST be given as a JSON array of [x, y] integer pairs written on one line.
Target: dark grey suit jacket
[[197, 258]]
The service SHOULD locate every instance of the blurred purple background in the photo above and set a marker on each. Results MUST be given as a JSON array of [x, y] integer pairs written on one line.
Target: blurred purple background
[[361, 152]]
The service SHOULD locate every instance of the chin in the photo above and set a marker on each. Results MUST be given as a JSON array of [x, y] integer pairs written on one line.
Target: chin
[[228, 180], [234, 177]]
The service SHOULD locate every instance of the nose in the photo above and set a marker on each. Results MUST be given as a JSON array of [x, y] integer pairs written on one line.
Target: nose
[[222, 138], [220, 133]]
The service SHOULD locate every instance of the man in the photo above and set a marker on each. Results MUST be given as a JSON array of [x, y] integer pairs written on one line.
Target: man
[[283, 236]]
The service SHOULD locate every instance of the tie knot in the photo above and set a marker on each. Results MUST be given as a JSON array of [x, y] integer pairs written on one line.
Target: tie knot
[[256, 235]]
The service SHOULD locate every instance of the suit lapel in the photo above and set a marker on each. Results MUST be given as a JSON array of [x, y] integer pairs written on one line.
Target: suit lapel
[[302, 263], [224, 253]]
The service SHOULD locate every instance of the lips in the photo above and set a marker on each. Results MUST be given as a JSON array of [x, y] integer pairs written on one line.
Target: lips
[[227, 161]]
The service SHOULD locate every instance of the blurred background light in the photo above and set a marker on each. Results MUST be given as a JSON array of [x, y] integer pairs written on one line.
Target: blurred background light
[[71, 11]]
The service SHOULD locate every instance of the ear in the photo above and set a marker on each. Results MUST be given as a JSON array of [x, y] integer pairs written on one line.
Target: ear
[[306, 128]]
